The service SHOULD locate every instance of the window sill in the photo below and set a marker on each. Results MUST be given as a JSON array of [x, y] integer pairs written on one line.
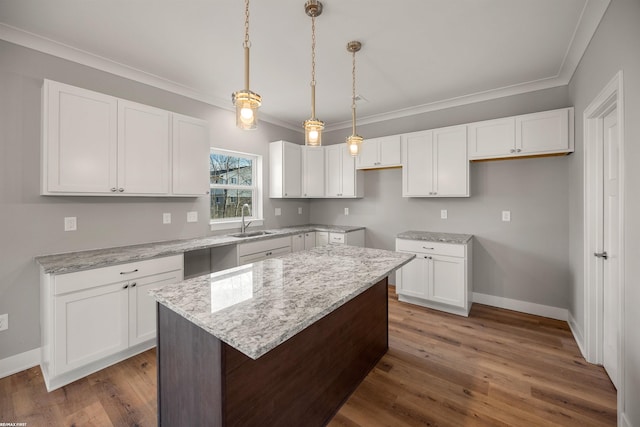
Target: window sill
[[234, 224]]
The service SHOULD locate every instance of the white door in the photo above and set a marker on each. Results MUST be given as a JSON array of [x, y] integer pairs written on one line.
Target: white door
[[412, 279], [610, 244]]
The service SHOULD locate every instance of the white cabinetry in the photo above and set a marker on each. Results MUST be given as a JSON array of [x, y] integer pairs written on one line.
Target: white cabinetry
[[190, 144], [544, 133], [303, 241], [351, 238], [263, 249], [94, 144], [312, 171], [285, 170], [94, 318], [342, 179], [435, 163], [383, 152], [439, 277]]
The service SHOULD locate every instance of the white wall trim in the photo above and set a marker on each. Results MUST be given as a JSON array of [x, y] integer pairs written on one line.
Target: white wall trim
[[522, 306], [624, 420], [577, 334], [19, 362]]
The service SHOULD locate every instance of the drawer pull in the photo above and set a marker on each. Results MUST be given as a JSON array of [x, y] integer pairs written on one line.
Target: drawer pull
[[125, 286], [129, 272], [133, 285], [424, 247]]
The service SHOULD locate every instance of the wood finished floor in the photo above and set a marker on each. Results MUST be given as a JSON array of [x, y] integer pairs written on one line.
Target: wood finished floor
[[496, 368]]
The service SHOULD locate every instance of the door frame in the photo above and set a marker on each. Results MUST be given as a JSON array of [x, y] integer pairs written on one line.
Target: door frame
[[609, 98]]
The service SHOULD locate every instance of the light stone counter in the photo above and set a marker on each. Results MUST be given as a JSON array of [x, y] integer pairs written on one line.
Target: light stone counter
[[256, 307], [84, 260], [455, 238]]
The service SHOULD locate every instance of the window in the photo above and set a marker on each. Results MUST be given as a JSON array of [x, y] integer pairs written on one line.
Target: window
[[235, 180]]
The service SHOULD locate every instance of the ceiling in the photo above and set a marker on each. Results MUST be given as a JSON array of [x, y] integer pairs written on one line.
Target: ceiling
[[417, 55]]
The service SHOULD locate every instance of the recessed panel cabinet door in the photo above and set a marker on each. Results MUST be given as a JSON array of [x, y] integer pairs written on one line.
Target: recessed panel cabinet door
[[80, 137], [447, 284], [417, 164], [412, 278], [143, 149], [492, 138], [312, 171], [451, 164], [190, 166]]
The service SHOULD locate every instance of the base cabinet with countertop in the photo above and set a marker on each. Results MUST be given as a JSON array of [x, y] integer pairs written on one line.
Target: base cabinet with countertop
[[262, 249], [351, 238], [94, 318], [440, 275]]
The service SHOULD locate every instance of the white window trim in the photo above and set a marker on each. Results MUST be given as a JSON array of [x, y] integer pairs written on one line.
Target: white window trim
[[256, 217]]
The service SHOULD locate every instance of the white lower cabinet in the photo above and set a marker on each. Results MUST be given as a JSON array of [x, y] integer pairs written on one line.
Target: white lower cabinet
[[94, 318], [263, 249], [439, 277], [351, 238], [303, 241]]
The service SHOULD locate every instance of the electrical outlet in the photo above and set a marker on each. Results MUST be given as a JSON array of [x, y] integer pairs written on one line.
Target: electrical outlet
[[4, 322], [278, 211], [299, 211], [192, 216], [166, 218], [443, 214], [506, 216], [346, 211], [70, 223]]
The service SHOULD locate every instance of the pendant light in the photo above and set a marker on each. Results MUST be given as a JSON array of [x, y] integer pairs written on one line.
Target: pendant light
[[312, 126], [245, 101], [354, 141]]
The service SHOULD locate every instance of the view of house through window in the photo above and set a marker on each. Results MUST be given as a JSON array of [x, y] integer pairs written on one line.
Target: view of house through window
[[232, 178]]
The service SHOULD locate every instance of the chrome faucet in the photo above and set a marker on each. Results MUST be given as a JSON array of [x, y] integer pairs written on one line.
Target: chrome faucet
[[244, 226]]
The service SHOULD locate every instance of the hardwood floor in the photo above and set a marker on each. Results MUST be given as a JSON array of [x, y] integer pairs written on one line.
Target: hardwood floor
[[495, 368]]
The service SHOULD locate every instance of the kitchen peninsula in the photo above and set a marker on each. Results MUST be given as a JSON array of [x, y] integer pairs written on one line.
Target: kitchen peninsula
[[278, 342]]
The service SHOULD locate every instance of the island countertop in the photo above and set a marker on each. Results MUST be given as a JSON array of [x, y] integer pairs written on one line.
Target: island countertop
[[255, 307]]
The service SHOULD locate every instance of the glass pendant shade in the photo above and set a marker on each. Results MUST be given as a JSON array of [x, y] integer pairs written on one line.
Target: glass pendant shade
[[247, 104], [353, 143], [313, 132]]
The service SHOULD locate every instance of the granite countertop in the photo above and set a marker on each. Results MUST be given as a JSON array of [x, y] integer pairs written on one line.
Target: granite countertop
[[256, 307], [459, 239], [83, 260]]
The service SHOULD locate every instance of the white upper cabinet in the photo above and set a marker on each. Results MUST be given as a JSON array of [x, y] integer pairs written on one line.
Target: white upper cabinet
[[380, 152], [95, 144], [544, 133], [435, 163], [285, 170], [342, 179], [312, 171], [80, 140], [143, 149], [190, 142]]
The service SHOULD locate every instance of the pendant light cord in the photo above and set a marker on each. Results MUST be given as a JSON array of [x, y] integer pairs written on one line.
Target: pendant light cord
[[353, 95]]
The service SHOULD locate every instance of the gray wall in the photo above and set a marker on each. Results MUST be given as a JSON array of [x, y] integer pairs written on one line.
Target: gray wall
[[526, 259], [32, 225], [615, 46]]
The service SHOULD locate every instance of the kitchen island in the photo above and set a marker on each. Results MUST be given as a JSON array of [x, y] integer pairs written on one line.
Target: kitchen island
[[279, 342]]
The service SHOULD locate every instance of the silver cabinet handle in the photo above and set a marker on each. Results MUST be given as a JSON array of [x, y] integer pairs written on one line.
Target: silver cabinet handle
[[129, 272], [424, 247], [512, 150], [121, 189], [125, 286], [114, 189], [518, 150], [133, 285], [603, 255]]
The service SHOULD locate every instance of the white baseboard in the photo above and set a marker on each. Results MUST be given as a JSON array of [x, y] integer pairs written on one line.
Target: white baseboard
[[19, 362], [577, 334], [522, 306], [624, 420]]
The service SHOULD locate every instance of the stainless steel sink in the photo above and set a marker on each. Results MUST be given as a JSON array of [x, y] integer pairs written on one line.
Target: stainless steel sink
[[252, 234]]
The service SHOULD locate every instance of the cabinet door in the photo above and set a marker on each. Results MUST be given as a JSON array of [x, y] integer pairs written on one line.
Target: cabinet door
[[451, 164], [333, 176], [285, 170], [143, 149], [90, 325], [369, 154], [312, 171], [297, 242], [447, 281], [142, 307], [417, 164], [545, 132], [80, 137], [348, 173], [390, 149], [190, 148], [322, 238], [412, 278], [310, 240], [492, 138]]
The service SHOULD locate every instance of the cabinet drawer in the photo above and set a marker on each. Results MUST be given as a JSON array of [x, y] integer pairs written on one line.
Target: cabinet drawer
[[426, 247], [259, 256], [337, 238], [263, 245], [72, 282]]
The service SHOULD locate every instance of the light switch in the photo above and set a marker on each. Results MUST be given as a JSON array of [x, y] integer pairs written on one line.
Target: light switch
[[346, 211], [192, 216], [443, 214], [166, 218], [506, 216], [278, 211], [70, 223], [299, 211]]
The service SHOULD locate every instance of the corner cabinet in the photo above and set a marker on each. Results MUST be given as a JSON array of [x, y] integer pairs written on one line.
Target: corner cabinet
[[383, 152], [342, 180], [94, 318], [285, 170], [435, 163], [438, 277], [536, 134], [96, 144]]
